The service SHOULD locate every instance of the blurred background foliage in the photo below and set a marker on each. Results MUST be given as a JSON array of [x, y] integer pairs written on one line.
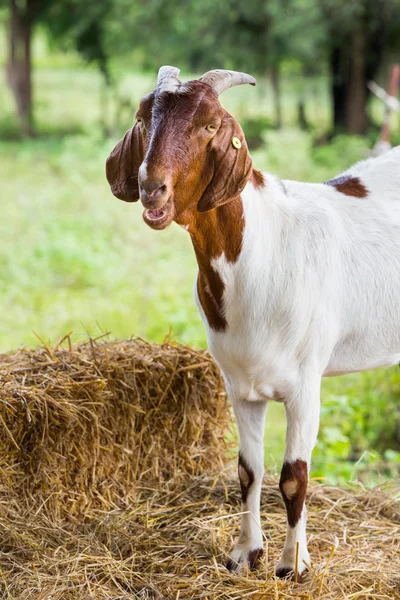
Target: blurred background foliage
[[72, 258]]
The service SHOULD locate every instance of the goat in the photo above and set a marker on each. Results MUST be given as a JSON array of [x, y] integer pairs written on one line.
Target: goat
[[296, 281]]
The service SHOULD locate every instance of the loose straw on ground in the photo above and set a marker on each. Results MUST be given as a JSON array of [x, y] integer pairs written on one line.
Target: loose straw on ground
[[112, 487]]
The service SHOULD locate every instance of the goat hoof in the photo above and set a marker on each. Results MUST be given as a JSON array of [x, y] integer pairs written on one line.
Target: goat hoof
[[254, 558], [288, 572], [233, 566], [239, 559]]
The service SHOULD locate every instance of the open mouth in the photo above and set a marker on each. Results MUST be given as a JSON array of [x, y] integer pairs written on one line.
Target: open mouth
[[158, 217], [156, 214]]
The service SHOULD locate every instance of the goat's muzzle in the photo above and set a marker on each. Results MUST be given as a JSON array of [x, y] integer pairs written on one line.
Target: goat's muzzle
[[161, 216], [153, 195], [156, 197]]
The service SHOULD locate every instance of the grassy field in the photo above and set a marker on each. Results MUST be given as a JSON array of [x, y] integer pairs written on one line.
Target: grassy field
[[73, 258]]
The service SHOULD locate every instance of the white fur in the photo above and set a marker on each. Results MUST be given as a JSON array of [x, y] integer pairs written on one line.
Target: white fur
[[250, 418], [143, 171], [315, 292], [296, 535]]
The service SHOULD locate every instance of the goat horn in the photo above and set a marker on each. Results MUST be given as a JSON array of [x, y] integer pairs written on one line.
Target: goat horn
[[221, 80], [168, 79]]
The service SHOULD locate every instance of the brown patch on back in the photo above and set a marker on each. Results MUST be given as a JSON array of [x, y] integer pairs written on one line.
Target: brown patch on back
[[246, 477], [257, 179], [350, 186], [293, 487]]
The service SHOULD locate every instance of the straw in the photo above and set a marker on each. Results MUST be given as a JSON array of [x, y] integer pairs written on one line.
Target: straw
[[112, 486]]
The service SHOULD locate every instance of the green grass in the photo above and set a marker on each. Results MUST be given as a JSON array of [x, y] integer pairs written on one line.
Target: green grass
[[73, 258]]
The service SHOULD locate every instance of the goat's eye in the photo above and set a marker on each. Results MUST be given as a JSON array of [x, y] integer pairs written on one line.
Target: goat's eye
[[211, 128], [139, 120]]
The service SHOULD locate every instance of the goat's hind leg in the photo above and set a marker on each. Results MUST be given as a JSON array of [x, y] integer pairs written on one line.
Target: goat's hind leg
[[250, 418]]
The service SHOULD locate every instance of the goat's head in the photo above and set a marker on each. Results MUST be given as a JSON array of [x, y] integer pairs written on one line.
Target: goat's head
[[184, 150]]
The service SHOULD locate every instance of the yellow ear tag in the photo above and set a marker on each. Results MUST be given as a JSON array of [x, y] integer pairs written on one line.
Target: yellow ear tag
[[236, 143]]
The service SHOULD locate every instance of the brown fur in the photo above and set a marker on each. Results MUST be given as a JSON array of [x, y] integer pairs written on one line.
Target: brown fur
[[246, 477], [257, 179], [210, 289], [204, 175], [232, 166], [293, 486], [212, 233], [350, 186], [121, 170]]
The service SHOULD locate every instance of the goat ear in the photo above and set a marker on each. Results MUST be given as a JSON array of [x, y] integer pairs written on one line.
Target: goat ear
[[232, 166], [123, 164]]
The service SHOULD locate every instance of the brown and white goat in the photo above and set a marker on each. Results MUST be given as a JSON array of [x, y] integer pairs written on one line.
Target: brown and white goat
[[296, 281]]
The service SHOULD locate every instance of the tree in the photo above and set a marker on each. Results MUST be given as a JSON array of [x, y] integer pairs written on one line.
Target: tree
[[254, 36], [358, 34], [81, 25], [22, 18]]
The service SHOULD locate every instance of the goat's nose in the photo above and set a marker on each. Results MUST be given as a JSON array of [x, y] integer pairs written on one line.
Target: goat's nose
[[153, 190], [150, 188]]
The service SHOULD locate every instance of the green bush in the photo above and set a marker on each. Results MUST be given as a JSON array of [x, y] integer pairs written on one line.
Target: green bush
[[253, 128], [343, 149], [360, 428]]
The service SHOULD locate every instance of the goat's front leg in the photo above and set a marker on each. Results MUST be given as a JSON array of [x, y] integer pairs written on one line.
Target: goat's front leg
[[250, 418], [302, 412]]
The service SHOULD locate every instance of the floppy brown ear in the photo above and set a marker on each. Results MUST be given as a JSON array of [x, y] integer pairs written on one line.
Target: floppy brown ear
[[123, 164], [232, 166]]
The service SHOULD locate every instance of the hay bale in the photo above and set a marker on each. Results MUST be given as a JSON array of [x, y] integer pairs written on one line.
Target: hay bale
[[80, 427]]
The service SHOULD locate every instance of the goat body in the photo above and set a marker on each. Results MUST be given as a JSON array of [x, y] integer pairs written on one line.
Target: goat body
[[296, 281], [315, 292], [316, 284]]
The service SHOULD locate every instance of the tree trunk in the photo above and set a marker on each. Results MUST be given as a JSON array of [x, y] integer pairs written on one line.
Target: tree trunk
[[337, 65], [19, 67], [349, 84], [356, 53], [356, 109], [301, 112], [276, 88]]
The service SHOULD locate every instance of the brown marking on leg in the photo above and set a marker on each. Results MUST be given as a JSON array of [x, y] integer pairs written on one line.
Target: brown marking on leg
[[293, 486], [246, 477], [350, 186], [243, 476], [290, 488]]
